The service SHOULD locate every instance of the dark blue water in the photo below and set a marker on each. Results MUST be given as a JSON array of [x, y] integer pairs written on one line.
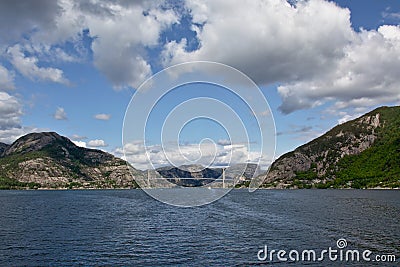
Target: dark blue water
[[128, 228]]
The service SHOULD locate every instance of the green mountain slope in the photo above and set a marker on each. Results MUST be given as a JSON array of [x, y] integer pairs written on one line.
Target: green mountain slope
[[51, 160], [361, 153]]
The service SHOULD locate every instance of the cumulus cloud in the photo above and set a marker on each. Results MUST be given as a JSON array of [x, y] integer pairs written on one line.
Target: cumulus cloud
[[366, 76], [25, 16], [309, 48], [97, 143], [28, 66], [125, 28], [128, 65], [6, 79], [10, 122], [9, 135], [102, 116], [79, 143], [60, 114], [206, 153], [10, 111], [257, 41], [37, 34]]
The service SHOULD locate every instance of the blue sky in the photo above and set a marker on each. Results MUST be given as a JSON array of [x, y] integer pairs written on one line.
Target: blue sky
[[73, 66]]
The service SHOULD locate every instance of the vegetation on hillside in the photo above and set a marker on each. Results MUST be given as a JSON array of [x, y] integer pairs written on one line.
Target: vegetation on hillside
[[380, 164], [49, 160], [7, 183], [376, 166]]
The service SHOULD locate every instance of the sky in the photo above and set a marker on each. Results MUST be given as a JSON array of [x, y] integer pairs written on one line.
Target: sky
[[73, 67]]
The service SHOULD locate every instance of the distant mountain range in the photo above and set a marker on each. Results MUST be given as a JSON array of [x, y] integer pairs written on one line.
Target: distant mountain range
[[48, 160], [362, 153], [197, 175]]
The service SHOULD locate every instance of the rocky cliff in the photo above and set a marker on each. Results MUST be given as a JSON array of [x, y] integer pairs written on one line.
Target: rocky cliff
[[364, 152], [50, 160], [3, 147]]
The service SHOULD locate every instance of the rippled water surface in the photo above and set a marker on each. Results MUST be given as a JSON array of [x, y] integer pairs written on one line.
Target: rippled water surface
[[129, 228]]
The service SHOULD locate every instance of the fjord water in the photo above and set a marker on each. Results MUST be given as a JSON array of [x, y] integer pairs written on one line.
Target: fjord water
[[129, 228]]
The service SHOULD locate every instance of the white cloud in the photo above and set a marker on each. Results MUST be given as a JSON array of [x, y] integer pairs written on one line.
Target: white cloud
[[28, 66], [104, 117], [54, 54], [270, 40], [366, 76], [10, 122], [9, 135], [6, 79], [125, 28], [19, 18], [79, 143], [218, 155], [310, 49], [97, 143], [127, 65], [10, 111], [60, 114]]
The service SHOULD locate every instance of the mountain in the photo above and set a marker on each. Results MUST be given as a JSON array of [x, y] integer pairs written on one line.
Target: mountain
[[196, 172], [361, 153], [243, 171], [53, 161], [3, 147], [239, 173]]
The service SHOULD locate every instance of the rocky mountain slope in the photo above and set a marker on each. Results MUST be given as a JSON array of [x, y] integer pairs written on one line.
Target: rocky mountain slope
[[50, 160], [3, 147], [361, 153]]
